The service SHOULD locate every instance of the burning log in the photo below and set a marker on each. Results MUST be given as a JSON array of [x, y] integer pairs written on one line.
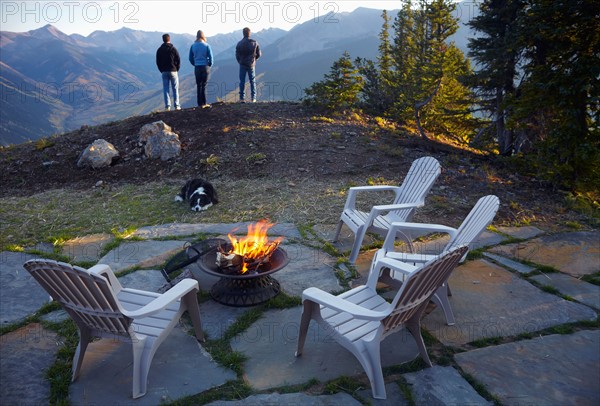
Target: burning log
[[249, 253]]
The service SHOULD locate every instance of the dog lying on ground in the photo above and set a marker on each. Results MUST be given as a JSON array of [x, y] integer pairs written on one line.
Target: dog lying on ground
[[199, 193]]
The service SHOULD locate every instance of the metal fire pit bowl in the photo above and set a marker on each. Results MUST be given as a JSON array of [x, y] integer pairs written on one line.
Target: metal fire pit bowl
[[249, 289]]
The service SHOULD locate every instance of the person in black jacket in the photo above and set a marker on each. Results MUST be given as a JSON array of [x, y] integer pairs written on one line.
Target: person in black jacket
[[247, 52], [168, 63]]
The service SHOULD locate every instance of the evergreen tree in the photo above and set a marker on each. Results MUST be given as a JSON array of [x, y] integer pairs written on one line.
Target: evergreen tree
[[558, 99], [423, 68], [340, 88], [497, 57]]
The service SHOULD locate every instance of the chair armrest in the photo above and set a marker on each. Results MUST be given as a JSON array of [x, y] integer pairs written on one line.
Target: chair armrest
[[381, 209], [422, 228], [353, 192], [395, 265], [334, 302], [104, 270], [162, 301], [391, 207]]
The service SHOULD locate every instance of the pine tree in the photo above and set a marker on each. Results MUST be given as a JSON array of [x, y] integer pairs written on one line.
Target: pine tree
[[422, 67], [340, 88], [558, 99], [497, 56]]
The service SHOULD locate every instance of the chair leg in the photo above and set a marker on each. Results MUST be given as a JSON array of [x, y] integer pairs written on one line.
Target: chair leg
[[375, 373], [190, 300], [440, 298], [307, 312], [414, 327], [84, 340], [338, 230], [139, 377], [358, 239]]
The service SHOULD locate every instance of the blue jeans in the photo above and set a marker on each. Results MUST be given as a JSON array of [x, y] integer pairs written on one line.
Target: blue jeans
[[202, 73], [251, 77], [173, 79]]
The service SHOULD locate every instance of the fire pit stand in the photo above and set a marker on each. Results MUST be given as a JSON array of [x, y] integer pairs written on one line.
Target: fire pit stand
[[249, 289]]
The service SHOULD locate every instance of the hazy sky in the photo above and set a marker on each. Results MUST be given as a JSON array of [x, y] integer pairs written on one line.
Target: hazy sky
[[213, 17]]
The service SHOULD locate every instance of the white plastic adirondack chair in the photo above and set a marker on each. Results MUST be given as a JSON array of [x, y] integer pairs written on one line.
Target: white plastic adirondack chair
[[360, 319], [480, 216], [101, 307], [408, 196]]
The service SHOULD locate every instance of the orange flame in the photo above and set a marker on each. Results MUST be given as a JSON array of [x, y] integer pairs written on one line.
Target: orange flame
[[255, 246]]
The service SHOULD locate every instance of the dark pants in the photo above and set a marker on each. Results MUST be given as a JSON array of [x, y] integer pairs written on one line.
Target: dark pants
[[202, 74]]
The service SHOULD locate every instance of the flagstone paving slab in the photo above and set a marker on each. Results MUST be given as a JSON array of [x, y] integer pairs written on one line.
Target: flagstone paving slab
[[395, 397], [270, 344], [489, 301], [186, 229], [291, 399], [525, 232], [509, 263], [20, 294], [442, 386], [25, 354], [579, 290], [575, 253], [151, 280], [307, 267], [88, 248], [181, 367], [144, 254], [217, 318], [548, 370]]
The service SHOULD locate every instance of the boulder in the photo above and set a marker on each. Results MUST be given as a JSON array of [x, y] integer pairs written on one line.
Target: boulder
[[159, 141], [99, 154], [152, 129]]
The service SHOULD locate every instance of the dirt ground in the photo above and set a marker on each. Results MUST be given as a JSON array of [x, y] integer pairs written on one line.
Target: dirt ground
[[276, 140]]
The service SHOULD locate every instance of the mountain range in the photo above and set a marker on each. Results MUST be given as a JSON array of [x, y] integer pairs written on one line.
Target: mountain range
[[51, 82]]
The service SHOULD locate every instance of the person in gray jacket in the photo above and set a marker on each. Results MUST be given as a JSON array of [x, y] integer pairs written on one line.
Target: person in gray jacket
[[201, 56], [168, 63], [247, 52]]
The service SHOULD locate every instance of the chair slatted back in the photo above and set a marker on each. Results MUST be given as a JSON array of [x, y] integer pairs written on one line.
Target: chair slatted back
[[88, 298], [420, 286], [480, 216], [416, 185]]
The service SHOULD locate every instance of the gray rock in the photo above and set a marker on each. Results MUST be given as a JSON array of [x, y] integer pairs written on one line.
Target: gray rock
[[549, 370], [20, 294], [180, 368], [307, 268], [394, 395], [442, 386], [25, 354], [165, 145], [150, 280], [159, 141], [579, 290], [509, 263], [489, 301], [185, 229], [573, 253], [99, 154], [144, 254], [273, 399], [150, 129], [87, 248], [270, 344]]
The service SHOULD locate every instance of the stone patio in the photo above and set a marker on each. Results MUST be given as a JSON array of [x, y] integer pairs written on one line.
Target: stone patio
[[492, 297]]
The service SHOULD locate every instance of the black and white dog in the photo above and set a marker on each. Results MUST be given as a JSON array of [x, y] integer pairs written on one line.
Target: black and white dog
[[200, 193]]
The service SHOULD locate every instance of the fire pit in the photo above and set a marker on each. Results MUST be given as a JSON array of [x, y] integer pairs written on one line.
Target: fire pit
[[244, 267]]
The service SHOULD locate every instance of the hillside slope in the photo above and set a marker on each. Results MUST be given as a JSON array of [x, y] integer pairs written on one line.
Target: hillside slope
[[280, 143]]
